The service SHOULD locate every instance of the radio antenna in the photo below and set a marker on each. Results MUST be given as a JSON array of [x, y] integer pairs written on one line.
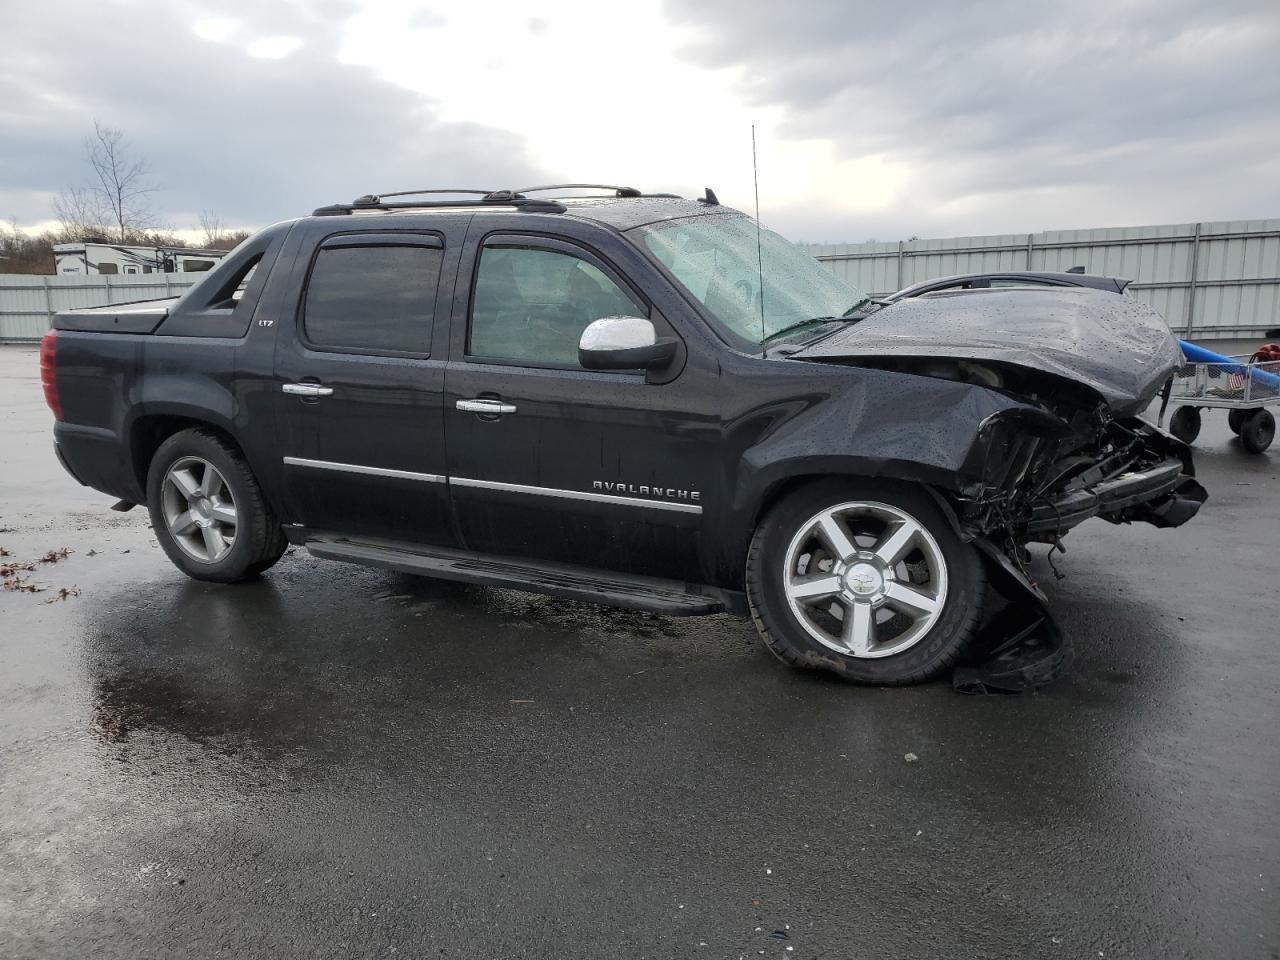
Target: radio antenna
[[755, 177]]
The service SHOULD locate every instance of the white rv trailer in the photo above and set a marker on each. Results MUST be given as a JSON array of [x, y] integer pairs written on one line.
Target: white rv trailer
[[100, 257]]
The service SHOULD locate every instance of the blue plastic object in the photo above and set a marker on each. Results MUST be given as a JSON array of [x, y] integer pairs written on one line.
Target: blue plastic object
[[1198, 354]]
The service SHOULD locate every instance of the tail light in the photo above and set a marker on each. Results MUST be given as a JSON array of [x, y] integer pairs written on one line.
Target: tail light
[[49, 372]]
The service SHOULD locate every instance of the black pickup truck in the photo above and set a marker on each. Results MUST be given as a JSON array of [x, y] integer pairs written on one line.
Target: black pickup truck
[[638, 400]]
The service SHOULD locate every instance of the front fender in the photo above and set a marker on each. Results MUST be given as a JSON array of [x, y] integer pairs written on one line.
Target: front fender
[[858, 423], [896, 426]]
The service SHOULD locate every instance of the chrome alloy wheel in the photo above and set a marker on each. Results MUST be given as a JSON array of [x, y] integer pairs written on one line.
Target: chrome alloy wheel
[[865, 579], [199, 509]]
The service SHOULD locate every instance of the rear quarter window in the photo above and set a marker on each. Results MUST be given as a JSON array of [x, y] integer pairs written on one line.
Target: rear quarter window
[[372, 299]]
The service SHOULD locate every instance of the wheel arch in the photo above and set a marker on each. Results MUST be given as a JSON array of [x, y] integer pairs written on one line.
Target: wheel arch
[[755, 502], [780, 479], [149, 430]]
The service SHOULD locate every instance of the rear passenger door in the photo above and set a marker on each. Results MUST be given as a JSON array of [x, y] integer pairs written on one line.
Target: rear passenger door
[[360, 385]]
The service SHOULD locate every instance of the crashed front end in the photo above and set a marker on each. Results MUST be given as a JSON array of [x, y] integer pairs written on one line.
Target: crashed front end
[[1076, 368], [1032, 476]]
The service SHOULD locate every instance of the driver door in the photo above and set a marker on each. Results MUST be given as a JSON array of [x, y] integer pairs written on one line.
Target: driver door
[[549, 461]]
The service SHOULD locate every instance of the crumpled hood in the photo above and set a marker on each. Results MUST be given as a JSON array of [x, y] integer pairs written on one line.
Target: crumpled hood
[[1114, 344]]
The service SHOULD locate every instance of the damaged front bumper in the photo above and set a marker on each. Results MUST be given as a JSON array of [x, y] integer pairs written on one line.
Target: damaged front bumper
[[1038, 481], [1162, 495], [1038, 476], [1026, 647]]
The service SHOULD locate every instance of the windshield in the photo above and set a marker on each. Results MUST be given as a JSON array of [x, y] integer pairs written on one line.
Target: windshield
[[715, 259]]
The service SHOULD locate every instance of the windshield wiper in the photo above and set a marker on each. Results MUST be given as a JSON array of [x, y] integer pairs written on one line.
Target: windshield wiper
[[861, 306], [852, 315], [791, 328]]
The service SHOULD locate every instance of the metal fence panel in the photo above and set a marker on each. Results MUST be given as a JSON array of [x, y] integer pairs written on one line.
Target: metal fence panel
[[28, 302], [1213, 280]]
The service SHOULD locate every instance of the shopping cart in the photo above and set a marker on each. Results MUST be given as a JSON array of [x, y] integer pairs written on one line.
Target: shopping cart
[[1243, 386]]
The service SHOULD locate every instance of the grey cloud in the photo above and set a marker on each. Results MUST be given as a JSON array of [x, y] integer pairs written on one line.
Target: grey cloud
[[255, 140], [1147, 108]]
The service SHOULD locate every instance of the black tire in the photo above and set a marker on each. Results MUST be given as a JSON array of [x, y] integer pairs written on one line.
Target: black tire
[[1185, 424], [1257, 430], [1235, 420], [258, 540], [790, 640]]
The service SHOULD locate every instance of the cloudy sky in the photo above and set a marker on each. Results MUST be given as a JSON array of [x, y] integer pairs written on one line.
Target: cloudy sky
[[874, 120]]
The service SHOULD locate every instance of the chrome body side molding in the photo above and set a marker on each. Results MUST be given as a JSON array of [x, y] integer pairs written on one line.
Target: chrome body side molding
[[577, 495], [360, 468], [587, 495]]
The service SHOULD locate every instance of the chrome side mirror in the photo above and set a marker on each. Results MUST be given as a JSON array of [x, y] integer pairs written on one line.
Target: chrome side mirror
[[624, 343]]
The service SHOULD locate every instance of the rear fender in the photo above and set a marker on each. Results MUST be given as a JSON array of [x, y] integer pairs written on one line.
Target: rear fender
[[164, 404]]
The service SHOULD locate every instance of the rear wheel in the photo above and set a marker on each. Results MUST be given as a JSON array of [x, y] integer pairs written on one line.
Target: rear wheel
[[866, 580], [1185, 424], [208, 511], [1235, 420], [1257, 430]]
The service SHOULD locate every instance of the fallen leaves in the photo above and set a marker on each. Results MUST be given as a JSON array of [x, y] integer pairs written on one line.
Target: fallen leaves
[[63, 594], [20, 585], [12, 581]]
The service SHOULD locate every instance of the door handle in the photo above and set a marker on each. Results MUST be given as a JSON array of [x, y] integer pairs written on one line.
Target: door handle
[[307, 390], [482, 405]]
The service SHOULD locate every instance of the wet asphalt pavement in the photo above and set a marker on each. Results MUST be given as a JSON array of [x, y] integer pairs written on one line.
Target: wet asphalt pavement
[[341, 762]]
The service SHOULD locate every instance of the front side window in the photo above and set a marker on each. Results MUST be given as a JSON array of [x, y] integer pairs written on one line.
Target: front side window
[[531, 305], [717, 260], [372, 299]]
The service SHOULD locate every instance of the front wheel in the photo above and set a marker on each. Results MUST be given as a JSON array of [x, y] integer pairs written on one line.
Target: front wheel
[[865, 579]]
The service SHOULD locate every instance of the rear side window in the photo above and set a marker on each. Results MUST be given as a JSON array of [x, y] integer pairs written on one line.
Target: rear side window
[[372, 298]]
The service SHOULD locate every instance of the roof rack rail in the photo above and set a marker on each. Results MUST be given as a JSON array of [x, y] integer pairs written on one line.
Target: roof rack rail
[[618, 191], [379, 197], [511, 198], [486, 199]]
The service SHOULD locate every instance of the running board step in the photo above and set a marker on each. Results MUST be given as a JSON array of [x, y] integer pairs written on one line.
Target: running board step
[[668, 597]]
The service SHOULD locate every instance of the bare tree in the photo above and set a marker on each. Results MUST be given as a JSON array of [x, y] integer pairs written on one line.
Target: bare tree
[[213, 227], [123, 180], [80, 214], [231, 239], [23, 252]]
